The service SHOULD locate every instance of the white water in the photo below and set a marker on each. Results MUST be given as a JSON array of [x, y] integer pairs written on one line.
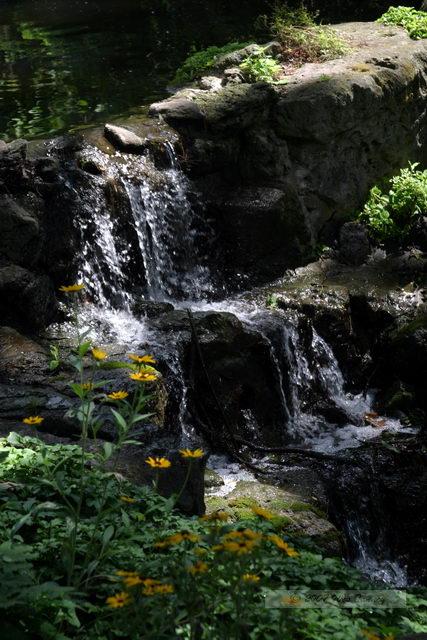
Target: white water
[[165, 264]]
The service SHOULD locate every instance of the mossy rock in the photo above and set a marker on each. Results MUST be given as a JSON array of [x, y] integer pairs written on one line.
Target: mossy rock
[[292, 513], [212, 479]]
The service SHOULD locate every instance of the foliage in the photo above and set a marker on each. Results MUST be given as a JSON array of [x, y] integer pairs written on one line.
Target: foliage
[[392, 211], [87, 554], [301, 39], [415, 22], [145, 571], [195, 64], [259, 67]]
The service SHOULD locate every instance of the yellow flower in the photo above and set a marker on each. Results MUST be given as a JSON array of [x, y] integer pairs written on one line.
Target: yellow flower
[[369, 635], [141, 359], [177, 538], [215, 515], [262, 513], [118, 600], [98, 354], [158, 463], [197, 453], [118, 395], [163, 588], [242, 534], [126, 499], [71, 287], [33, 420], [131, 581], [291, 601], [283, 545], [199, 567], [149, 585], [244, 546], [86, 386], [142, 376], [200, 552], [127, 573], [250, 577], [218, 547]]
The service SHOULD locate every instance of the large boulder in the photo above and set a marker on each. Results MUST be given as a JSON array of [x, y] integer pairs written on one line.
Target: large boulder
[[322, 139]]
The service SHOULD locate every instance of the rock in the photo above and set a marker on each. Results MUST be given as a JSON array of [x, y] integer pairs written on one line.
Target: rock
[[48, 169], [233, 75], [124, 140], [27, 300], [151, 308], [3, 146], [177, 110], [354, 243], [212, 479], [321, 138], [20, 240], [293, 513], [18, 148], [235, 397], [209, 83]]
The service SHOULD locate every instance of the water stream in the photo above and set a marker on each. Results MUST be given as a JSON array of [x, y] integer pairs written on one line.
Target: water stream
[[157, 248]]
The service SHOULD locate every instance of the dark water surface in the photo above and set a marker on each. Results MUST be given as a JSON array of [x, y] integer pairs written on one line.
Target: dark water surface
[[67, 63]]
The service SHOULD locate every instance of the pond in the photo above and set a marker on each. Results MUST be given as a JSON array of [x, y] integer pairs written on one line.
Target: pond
[[70, 63]]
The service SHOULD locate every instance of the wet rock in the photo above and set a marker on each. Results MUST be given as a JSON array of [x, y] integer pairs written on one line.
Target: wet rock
[[292, 513], [27, 300], [212, 479], [124, 140], [48, 169], [20, 240], [390, 516], [354, 243], [233, 382], [18, 148], [151, 308]]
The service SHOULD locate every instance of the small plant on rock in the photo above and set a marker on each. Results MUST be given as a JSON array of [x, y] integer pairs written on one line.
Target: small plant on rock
[[415, 22], [391, 212]]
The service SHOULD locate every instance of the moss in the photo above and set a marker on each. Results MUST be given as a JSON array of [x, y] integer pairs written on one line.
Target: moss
[[283, 505], [363, 68], [213, 479]]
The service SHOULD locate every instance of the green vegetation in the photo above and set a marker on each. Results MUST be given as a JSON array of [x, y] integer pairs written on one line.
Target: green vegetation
[[391, 212], [301, 38], [87, 554], [142, 570], [415, 22], [259, 67], [198, 62]]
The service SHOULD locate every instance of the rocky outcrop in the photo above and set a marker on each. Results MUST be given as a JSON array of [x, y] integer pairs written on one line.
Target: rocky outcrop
[[279, 166], [292, 513]]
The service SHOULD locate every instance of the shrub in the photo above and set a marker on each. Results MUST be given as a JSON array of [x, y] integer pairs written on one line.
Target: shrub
[[301, 39], [415, 22], [392, 211], [198, 62]]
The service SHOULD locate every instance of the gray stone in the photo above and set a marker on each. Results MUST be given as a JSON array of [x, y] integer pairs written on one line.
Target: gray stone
[[177, 110], [19, 232], [18, 147], [209, 83], [124, 140], [354, 243], [27, 300], [3, 146]]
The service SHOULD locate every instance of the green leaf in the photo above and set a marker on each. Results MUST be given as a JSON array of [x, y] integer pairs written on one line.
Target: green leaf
[[83, 348], [108, 450], [119, 419]]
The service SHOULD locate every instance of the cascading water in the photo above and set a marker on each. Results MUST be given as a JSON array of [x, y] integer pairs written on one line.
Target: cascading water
[[142, 239]]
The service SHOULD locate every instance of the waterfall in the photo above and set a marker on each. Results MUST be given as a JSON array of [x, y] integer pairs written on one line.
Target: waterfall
[[143, 238]]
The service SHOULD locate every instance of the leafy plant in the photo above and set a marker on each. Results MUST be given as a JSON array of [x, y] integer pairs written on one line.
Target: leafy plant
[[392, 211], [198, 62], [259, 67], [415, 22], [301, 39]]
